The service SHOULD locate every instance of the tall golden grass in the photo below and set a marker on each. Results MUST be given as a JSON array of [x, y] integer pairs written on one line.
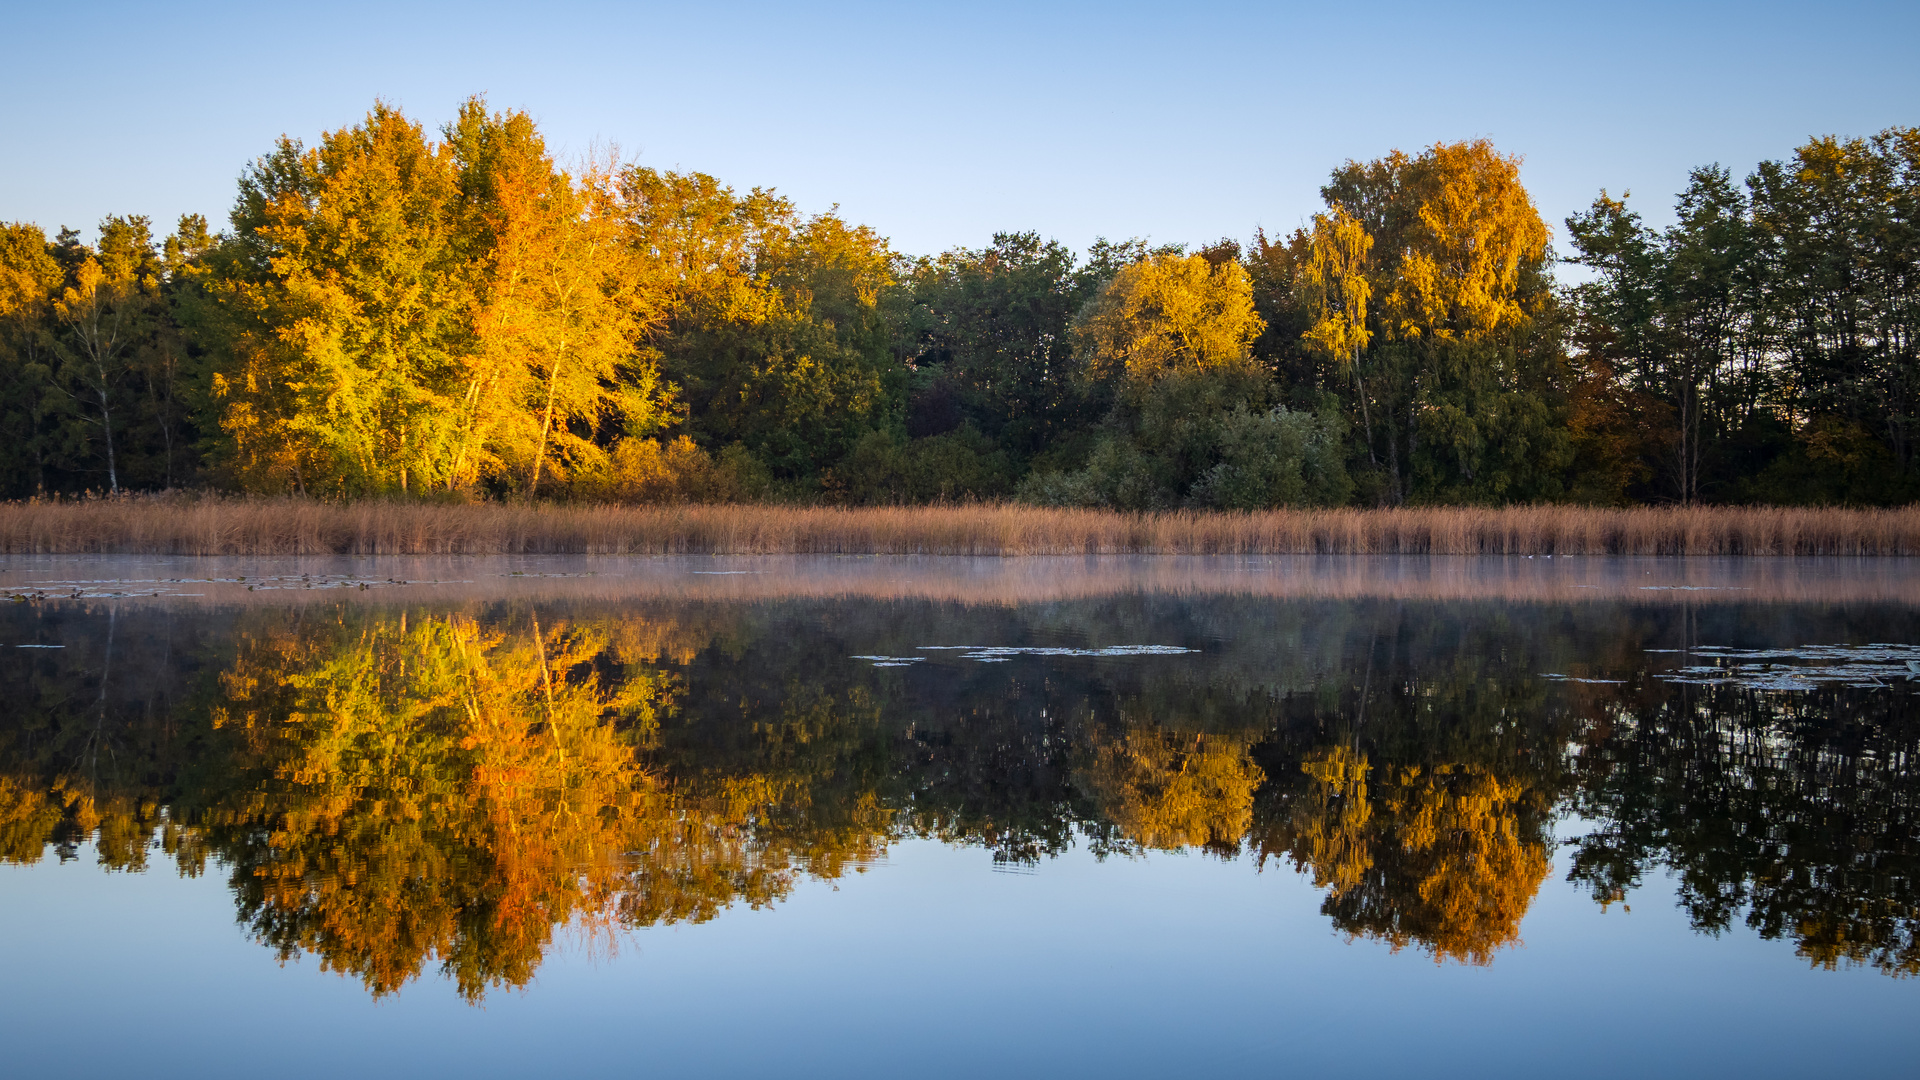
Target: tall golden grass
[[173, 525]]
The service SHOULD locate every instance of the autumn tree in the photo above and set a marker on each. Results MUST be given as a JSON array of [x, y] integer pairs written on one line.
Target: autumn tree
[[1193, 419], [559, 309], [1161, 787], [404, 314], [1428, 284], [348, 294], [1166, 314]]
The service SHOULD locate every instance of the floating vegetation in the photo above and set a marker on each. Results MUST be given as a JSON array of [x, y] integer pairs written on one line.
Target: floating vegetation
[[1578, 679], [995, 654], [1878, 666], [1000, 654]]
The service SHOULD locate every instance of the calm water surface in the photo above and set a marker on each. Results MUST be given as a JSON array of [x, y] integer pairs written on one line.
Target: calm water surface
[[1022, 817]]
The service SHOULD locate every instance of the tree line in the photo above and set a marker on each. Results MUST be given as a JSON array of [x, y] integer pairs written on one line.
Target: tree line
[[455, 314]]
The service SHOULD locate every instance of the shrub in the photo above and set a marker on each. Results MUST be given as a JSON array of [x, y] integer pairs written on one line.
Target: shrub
[[955, 466], [648, 471], [1277, 458]]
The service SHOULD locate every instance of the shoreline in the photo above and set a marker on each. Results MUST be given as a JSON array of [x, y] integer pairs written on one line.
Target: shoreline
[[228, 526]]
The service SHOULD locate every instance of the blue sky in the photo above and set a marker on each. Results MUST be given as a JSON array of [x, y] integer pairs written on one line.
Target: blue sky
[[939, 124]]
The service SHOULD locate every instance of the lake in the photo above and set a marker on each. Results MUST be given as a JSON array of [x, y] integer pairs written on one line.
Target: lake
[[959, 817]]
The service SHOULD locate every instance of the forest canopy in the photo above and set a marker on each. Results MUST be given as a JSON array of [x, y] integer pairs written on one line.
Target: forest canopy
[[397, 311]]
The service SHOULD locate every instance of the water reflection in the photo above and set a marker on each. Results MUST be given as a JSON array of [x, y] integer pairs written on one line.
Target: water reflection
[[1793, 812], [393, 788]]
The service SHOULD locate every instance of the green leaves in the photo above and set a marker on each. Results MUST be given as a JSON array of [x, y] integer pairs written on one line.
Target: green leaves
[[1764, 328]]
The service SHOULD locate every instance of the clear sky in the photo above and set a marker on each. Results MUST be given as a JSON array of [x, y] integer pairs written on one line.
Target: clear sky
[[940, 124]]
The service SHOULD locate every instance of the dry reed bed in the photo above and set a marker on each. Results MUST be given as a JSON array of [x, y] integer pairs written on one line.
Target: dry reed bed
[[163, 525]]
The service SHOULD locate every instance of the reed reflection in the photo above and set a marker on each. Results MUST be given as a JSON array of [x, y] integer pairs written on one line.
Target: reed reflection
[[393, 791]]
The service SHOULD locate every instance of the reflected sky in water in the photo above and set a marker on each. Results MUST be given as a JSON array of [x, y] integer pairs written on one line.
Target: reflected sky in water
[[943, 817]]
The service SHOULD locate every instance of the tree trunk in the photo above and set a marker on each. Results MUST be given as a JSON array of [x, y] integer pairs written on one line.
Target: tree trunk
[[1366, 419], [106, 429], [546, 426]]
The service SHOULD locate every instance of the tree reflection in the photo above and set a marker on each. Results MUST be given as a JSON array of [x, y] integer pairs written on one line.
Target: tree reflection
[[1160, 787], [393, 791], [396, 791], [1430, 824], [413, 788], [1444, 859], [1795, 813]]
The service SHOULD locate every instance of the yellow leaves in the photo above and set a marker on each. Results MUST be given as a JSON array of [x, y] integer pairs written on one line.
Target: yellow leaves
[[435, 788], [28, 816], [1333, 283], [1461, 264], [1334, 831], [834, 266], [1166, 789], [712, 251], [558, 312], [415, 313], [29, 276], [1430, 248], [1168, 313], [1436, 857], [76, 300]]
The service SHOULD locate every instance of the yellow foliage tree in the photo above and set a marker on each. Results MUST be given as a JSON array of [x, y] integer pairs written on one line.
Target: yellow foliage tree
[[349, 290], [1461, 258], [428, 787], [558, 311], [1419, 281], [1444, 240], [405, 314], [1167, 313], [1333, 286]]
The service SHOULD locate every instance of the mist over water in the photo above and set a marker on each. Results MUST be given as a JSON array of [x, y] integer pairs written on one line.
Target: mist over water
[[950, 816]]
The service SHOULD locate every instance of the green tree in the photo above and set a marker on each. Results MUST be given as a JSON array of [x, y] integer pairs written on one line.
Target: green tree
[[107, 311], [1673, 316], [779, 331], [1838, 232], [991, 343], [29, 280]]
